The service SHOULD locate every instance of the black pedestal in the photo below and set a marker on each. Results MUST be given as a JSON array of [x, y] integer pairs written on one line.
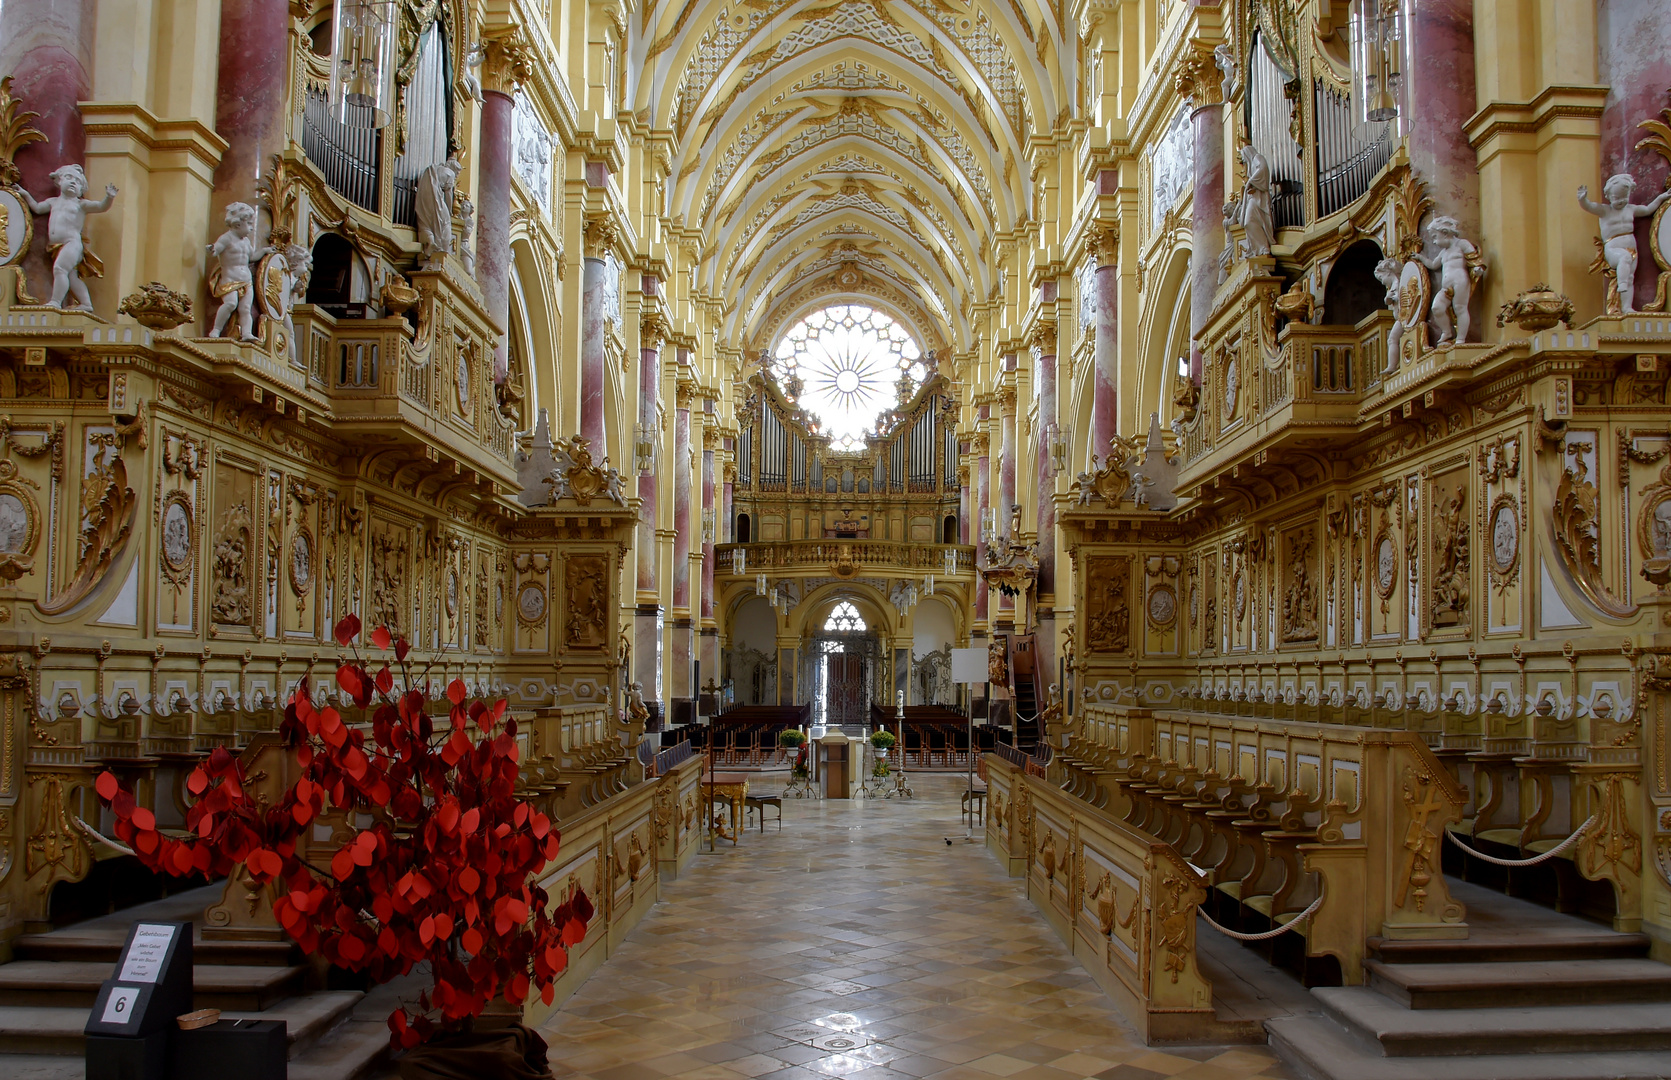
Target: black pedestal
[[126, 1057], [241, 1049]]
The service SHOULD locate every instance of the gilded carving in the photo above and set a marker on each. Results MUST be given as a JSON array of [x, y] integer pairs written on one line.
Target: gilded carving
[[1421, 844], [231, 601], [107, 507], [56, 844], [1174, 921], [1299, 599], [1576, 516], [1451, 574], [1108, 614], [588, 599]]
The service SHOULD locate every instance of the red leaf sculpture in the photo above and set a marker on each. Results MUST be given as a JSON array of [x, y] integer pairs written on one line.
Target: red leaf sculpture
[[449, 847]]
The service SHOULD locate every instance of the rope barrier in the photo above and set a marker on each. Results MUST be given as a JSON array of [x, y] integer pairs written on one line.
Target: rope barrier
[[1550, 854], [1267, 935], [101, 837]]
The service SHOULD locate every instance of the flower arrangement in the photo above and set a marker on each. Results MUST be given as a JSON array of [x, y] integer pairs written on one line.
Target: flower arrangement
[[442, 876], [791, 737], [882, 739]]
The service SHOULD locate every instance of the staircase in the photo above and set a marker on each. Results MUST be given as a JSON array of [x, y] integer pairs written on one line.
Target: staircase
[[49, 988], [1529, 995]]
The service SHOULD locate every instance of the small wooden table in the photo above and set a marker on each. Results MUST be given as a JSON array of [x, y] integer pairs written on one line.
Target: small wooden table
[[733, 788]]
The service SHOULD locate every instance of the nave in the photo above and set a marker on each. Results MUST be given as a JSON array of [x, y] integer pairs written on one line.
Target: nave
[[857, 944]]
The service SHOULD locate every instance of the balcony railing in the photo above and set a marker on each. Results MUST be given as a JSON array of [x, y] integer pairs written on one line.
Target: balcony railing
[[941, 559]]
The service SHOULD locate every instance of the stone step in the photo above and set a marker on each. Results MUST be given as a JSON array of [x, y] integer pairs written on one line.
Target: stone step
[[215, 986], [1395, 1031], [89, 947], [1575, 944], [351, 1051], [58, 1029], [1504, 985], [1317, 1047]]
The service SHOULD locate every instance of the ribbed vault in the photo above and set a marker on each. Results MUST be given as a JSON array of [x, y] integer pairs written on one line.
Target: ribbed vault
[[862, 148]]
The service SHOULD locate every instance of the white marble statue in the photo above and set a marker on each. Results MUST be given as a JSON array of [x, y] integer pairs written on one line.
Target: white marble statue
[[1457, 265], [1618, 230], [464, 213], [434, 204], [613, 488], [66, 216], [1228, 255], [1390, 272], [1224, 58], [231, 281], [1087, 487], [1254, 211]]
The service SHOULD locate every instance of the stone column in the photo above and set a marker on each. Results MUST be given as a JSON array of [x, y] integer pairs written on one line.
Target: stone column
[[1006, 476], [1198, 80], [252, 95], [710, 632], [682, 643], [47, 48], [594, 301], [983, 490], [965, 510], [647, 620], [1044, 353], [1105, 397], [505, 64], [1635, 46], [1441, 80]]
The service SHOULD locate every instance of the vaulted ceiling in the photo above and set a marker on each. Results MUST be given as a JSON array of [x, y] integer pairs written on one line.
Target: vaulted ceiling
[[854, 150]]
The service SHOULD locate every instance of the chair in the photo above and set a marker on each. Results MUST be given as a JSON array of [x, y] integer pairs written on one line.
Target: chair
[[758, 803], [938, 744]]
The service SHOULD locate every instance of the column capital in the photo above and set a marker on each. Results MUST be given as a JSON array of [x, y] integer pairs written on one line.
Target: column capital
[[652, 330], [978, 444], [1197, 76], [1102, 239], [599, 237], [1042, 337], [507, 60]]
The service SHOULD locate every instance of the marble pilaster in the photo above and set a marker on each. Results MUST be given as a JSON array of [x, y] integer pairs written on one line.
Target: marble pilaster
[[1206, 224], [594, 298], [493, 217]]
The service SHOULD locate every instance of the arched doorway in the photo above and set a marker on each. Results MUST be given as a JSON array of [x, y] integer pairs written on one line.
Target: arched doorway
[[843, 663], [743, 529], [948, 530]]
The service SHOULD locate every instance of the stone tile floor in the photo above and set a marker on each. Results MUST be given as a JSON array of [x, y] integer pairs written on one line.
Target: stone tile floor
[[856, 943]]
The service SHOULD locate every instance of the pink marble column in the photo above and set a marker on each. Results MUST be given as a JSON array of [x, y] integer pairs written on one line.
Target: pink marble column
[[1441, 59], [681, 641], [1006, 476], [1635, 63], [983, 492], [47, 48], [1105, 399], [252, 94], [1046, 360], [1206, 225], [493, 219], [649, 492], [593, 297], [708, 511], [964, 512]]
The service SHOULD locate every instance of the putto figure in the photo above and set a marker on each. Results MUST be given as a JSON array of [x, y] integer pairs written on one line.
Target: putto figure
[[66, 217], [1618, 230], [231, 282], [1458, 265]]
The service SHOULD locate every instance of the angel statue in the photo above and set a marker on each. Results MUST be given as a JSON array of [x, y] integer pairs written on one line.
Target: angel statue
[[66, 217], [1618, 230]]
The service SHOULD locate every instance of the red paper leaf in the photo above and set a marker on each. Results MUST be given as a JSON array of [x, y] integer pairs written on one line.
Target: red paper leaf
[[381, 637], [469, 880], [143, 818], [574, 932], [350, 679], [107, 786], [197, 782], [385, 680], [401, 648], [456, 691], [352, 948], [347, 629], [472, 941], [342, 863]]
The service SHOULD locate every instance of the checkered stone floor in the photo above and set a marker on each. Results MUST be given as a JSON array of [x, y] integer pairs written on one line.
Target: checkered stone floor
[[857, 944]]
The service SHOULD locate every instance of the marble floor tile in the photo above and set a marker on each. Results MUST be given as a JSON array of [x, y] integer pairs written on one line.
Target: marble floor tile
[[857, 945]]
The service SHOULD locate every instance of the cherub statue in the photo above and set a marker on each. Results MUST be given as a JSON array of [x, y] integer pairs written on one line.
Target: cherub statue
[[612, 487], [231, 282], [1458, 265], [464, 212], [1618, 230], [1224, 58], [1087, 487], [1228, 254], [637, 711], [1389, 272], [66, 217], [1253, 212]]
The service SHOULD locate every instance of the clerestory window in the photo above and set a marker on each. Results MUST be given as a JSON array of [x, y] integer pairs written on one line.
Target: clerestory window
[[847, 365]]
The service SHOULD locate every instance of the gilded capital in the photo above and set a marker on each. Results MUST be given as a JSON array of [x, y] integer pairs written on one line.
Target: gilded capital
[[599, 237], [1102, 239], [507, 61], [1043, 337], [979, 444], [1197, 77], [652, 331]]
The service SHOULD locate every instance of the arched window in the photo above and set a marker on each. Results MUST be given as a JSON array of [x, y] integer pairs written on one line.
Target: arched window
[[844, 618], [847, 365], [949, 530], [742, 529]]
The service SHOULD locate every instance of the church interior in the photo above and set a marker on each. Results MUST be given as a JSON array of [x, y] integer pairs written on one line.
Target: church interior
[[1019, 461]]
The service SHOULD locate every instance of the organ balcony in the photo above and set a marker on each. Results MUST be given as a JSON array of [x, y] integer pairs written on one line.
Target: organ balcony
[[847, 557]]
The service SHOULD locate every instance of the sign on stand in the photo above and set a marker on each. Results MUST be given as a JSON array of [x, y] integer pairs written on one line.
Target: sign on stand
[[128, 1029]]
